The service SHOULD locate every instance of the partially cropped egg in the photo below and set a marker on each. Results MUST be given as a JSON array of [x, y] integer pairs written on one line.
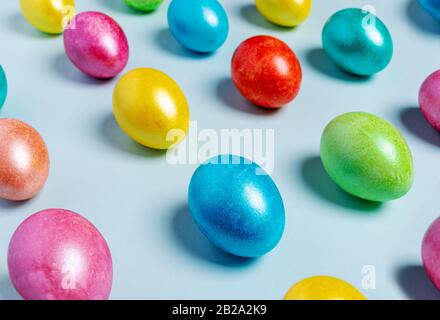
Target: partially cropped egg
[[144, 5], [3, 87]]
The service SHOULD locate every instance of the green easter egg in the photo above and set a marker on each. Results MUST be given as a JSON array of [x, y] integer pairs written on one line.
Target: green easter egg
[[144, 5], [367, 157]]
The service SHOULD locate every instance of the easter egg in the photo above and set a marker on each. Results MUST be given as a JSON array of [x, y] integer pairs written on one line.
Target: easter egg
[[358, 42], [286, 13], [432, 7], [367, 157], [323, 288], [96, 45], [144, 5], [57, 254], [431, 252], [237, 206], [24, 160], [151, 108], [48, 16], [3, 87], [429, 99], [198, 25], [266, 71]]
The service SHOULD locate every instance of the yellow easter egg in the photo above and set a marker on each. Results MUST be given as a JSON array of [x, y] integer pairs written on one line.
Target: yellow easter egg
[[49, 16], [151, 108], [286, 13], [323, 288]]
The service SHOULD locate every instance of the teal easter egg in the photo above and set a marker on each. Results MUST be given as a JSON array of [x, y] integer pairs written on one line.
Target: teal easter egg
[[357, 41], [237, 206], [3, 87], [367, 157]]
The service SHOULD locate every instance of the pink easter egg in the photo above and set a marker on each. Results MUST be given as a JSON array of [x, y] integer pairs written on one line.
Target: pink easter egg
[[429, 99], [57, 254], [431, 252], [96, 44]]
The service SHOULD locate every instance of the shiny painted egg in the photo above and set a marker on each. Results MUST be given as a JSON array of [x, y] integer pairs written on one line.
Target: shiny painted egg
[[323, 288], [144, 5], [237, 206], [49, 16], [24, 161], [429, 99], [96, 44], [432, 7], [151, 108], [431, 252], [3, 87], [286, 13], [266, 71], [367, 157], [198, 25], [56, 254], [358, 42]]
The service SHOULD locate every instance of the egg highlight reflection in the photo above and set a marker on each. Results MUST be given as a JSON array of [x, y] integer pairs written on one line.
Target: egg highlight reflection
[[323, 288], [429, 100], [57, 254], [48, 16], [3, 87], [367, 157], [96, 44], [237, 206], [24, 161], [151, 108], [358, 42], [198, 25], [431, 252], [286, 13]]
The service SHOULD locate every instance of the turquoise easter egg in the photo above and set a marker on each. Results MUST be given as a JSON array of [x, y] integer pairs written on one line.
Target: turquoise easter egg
[[357, 41], [3, 87], [367, 157], [237, 206]]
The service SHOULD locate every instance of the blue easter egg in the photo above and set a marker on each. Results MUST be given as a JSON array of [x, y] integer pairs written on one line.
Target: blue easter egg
[[198, 25], [432, 6], [357, 41], [237, 206], [3, 87]]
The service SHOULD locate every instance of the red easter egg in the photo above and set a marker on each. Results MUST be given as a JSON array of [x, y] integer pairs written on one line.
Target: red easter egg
[[266, 71]]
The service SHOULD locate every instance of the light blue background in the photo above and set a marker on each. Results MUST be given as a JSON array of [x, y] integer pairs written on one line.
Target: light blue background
[[138, 201]]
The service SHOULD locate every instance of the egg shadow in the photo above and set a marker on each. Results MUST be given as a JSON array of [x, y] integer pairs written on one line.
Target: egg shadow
[[165, 40], [122, 7], [113, 135], [414, 281], [250, 13], [317, 179], [7, 290], [229, 95], [319, 60], [9, 205], [188, 236], [413, 119], [18, 24], [65, 69], [421, 18]]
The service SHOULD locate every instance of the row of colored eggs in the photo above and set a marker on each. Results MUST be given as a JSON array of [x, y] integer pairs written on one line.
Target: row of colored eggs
[[254, 194]]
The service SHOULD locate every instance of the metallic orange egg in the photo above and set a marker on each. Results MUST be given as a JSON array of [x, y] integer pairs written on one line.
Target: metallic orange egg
[[24, 160]]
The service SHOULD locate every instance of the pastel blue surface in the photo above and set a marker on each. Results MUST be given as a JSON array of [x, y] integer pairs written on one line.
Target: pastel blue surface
[[3, 87], [433, 7], [139, 202], [357, 41], [198, 25], [237, 206]]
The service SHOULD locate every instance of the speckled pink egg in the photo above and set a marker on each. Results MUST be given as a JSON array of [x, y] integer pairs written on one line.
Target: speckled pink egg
[[24, 160], [57, 254], [429, 99], [431, 252], [96, 44]]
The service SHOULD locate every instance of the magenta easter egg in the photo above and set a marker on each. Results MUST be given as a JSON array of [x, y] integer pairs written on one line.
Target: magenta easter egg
[[429, 99], [431, 252], [57, 254], [96, 44]]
